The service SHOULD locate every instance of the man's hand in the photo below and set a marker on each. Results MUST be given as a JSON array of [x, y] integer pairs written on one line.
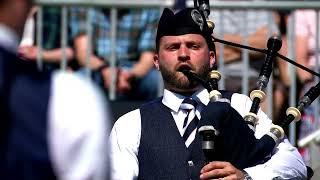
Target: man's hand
[[124, 81], [221, 170], [106, 75], [28, 52]]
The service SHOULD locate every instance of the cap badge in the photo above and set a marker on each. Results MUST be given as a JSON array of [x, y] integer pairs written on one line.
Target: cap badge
[[197, 18]]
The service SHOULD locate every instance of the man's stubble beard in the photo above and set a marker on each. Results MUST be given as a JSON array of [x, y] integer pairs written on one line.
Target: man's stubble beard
[[180, 83]]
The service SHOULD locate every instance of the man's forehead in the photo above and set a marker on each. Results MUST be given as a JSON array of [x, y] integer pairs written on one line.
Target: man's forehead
[[187, 37]]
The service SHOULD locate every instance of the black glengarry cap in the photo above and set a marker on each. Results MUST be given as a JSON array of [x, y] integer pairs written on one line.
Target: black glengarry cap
[[186, 21]]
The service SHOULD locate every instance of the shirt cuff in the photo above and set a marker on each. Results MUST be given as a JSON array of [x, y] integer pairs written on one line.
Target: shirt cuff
[[260, 172]]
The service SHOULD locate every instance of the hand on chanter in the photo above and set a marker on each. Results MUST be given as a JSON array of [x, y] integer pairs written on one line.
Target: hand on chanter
[[221, 170]]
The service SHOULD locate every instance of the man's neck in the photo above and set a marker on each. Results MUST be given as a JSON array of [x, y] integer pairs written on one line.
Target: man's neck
[[185, 92]]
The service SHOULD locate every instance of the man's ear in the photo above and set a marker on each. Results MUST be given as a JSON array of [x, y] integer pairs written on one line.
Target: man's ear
[[212, 57], [156, 61]]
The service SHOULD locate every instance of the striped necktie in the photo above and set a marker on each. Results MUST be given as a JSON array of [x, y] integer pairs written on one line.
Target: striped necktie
[[191, 121]]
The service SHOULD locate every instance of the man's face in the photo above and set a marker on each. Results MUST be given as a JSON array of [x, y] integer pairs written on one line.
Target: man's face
[[190, 52]]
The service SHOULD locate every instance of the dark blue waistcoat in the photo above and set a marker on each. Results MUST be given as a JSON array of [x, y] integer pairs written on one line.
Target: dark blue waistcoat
[[24, 96], [162, 153]]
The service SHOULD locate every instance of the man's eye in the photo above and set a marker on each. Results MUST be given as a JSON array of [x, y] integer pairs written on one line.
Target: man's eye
[[173, 47], [195, 46]]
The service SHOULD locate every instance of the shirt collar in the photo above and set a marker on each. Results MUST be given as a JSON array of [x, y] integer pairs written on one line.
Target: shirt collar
[[173, 100], [8, 38]]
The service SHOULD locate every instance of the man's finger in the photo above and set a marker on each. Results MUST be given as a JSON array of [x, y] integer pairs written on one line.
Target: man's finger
[[214, 165]]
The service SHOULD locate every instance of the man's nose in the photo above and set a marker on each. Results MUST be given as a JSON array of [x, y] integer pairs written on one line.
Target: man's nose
[[184, 53]]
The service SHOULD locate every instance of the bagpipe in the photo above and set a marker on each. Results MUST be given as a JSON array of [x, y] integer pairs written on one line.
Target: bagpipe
[[230, 137]]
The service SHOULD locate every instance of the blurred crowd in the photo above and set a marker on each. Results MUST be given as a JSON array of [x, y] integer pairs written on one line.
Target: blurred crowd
[[137, 79]]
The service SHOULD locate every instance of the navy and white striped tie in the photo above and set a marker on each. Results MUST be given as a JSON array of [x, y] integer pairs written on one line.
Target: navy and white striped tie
[[191, 121]]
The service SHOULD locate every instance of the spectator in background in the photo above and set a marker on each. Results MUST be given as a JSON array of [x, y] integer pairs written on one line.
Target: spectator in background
[[52, 53], [235, 26], [137, 79], [281, 79], [306, 52], [53, 126]]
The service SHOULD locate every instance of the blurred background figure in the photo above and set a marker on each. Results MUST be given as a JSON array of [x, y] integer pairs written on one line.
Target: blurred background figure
[[281, 78], [253, 27], [137, 79], [307, 55], [53, 125], [239, 26], [52, 52]]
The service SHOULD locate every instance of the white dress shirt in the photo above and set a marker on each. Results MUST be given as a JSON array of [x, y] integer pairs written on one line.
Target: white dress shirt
[[286, 162]]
